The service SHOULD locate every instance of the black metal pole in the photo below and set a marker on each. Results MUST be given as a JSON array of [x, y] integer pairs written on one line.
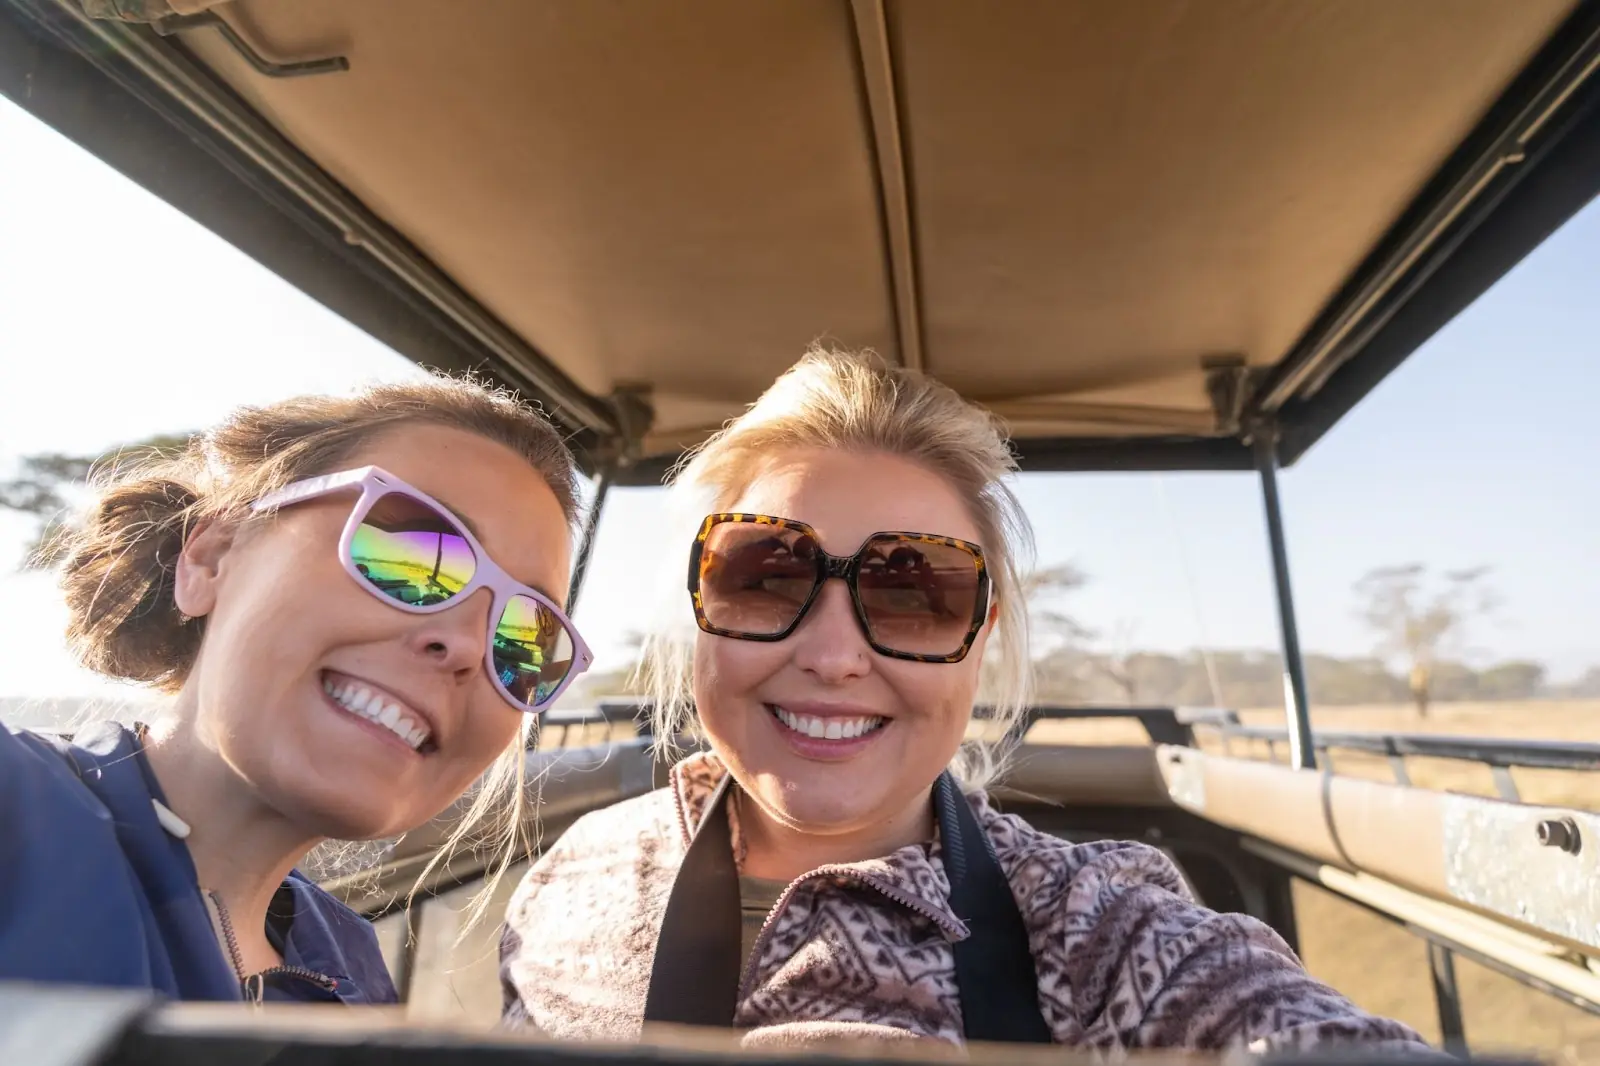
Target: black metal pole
[[1302, 752], [1447, 995], [591, 526]]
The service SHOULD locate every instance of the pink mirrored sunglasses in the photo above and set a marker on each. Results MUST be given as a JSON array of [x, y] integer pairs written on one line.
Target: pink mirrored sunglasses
[[414, 554]]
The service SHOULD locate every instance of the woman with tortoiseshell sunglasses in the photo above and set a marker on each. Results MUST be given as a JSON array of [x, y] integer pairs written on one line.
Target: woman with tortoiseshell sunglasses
[[831, 866]]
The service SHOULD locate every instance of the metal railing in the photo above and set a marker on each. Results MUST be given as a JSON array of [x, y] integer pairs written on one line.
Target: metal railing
[[1500, 754]]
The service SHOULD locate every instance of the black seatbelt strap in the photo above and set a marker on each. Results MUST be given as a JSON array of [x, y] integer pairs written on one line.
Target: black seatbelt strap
[[695, 976], [995, 974]]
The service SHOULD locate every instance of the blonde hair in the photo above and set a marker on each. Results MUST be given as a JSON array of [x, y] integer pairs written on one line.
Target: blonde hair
[[857, 402], [120, 562]]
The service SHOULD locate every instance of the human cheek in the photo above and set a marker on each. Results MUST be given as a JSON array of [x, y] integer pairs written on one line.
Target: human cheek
[[488, 729], [727, 674], [941, 692]]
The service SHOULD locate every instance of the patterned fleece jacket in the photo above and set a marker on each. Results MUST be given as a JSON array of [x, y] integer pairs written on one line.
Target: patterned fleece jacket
[[1125, 958]]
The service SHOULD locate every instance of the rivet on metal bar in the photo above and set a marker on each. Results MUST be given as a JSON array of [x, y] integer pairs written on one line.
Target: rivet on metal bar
[[1560, 833], [261, 64]]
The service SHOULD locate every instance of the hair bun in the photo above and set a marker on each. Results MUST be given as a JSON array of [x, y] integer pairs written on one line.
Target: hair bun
[[118, 574]]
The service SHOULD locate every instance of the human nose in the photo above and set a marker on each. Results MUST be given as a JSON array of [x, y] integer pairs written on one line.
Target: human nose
[[454, 640], [829, 643]]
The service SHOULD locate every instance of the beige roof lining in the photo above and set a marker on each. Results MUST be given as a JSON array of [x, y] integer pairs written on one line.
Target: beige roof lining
[[1061, 208]]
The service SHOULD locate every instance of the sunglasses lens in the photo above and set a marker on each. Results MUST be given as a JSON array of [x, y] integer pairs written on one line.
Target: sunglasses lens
[[755, 577], [919, 597], [533, 651], [411, 552]]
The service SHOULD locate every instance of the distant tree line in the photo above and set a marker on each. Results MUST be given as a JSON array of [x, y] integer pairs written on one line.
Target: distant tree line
[[1255, 679], [1420, 625], [1245, 679]]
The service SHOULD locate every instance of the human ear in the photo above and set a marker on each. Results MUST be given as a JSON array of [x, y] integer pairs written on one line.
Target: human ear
[[199, 567]]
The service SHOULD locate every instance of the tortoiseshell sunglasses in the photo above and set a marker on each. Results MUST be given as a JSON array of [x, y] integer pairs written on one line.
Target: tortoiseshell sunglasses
[[917, 596]]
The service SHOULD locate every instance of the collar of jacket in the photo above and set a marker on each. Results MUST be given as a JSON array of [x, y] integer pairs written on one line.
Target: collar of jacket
[[913, 877]]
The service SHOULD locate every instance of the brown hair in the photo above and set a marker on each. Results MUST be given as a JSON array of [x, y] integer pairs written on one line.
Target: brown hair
[[120, 562]]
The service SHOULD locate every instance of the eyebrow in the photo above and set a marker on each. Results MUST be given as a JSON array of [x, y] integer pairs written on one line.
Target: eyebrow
[[460, 516], [472, 527]]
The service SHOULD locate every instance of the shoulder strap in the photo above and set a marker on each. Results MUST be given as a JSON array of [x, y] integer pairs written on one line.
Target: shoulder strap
[[694, 979], [994, 966]]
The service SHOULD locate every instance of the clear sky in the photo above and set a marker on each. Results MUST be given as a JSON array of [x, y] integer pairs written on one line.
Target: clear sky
[[119, 317]]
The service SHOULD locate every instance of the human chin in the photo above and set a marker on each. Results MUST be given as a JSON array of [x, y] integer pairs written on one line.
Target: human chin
[[351, 806], [824, 792], [334, 780]]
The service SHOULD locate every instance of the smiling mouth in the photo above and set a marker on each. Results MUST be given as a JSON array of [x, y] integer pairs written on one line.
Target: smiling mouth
[[827, 728], [363, 701]]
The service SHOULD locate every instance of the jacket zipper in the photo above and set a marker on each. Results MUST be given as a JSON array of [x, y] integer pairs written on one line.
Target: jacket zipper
[[953, 931], [956, 930], [254, 986]]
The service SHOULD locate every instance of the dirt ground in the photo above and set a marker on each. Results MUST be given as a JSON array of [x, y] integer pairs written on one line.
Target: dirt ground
[[1377, 964]]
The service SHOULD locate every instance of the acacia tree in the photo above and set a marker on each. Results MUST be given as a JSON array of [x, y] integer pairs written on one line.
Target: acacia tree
[[1416, 621], [1044, 590], [46, 484], [1059, 637], [1119, 662]]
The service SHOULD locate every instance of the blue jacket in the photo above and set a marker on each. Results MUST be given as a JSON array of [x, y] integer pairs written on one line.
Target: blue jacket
[[94, 891]]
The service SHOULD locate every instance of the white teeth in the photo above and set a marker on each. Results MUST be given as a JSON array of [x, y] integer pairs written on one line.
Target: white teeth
[[361, 701], [827, 728]]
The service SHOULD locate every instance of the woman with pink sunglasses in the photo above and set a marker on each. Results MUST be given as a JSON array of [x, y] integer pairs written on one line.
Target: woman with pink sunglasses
[[354, 604]]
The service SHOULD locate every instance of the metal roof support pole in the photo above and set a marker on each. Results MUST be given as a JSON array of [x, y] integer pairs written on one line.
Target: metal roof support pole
[[591, 526], [634, 415], [1302, 752]]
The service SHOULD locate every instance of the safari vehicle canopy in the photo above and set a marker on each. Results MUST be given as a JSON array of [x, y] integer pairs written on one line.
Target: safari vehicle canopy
[[1154, 236]]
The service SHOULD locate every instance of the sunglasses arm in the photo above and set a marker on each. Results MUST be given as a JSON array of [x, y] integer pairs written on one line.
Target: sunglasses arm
[[311, 488]]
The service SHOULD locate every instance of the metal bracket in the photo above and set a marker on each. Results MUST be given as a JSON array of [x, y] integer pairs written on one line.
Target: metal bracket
[[1505, 785], [1230, 382], [302, 68], [635, 417]]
